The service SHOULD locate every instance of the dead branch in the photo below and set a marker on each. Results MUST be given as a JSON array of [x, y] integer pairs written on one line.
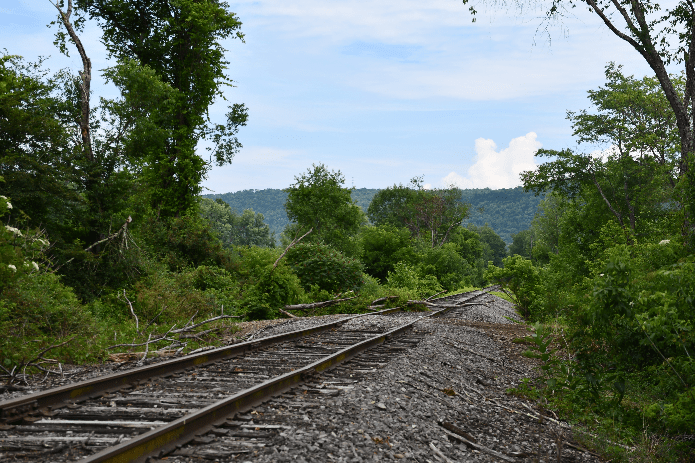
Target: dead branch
[[479, 447], [383, 300], [155, 318], [287, 314], [132, 311], [219, 317], [40, 354], [293, 243], [147, 347], [196, 335], [123, 230], [317, 305], [163, 337], [429, 298]]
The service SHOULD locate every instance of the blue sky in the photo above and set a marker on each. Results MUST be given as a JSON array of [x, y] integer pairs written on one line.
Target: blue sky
[[382, 90]]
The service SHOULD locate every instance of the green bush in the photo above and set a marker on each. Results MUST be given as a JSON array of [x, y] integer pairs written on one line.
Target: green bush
[[447, 265], [329, 269], [39, 311], [523, 280], [382, 247], [408, 277]]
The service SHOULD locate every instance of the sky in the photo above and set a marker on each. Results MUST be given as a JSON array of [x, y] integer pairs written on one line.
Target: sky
[[382, 90]]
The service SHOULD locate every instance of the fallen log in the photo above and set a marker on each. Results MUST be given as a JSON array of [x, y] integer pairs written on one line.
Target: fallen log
[[317, 305]]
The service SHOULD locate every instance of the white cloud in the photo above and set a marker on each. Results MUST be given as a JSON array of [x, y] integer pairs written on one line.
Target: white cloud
[[498, 169]]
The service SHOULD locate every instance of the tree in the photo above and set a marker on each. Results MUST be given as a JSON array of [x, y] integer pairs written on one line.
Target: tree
[[248, 229], [180, 42], [636, 181], [522, 244], [643, 25], [382, 247], [428, 214], [35, 148], [494, 246], [390, 206], [317, 200]]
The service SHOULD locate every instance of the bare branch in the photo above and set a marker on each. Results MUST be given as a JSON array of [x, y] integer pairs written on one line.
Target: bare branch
[[317, 305], [295, 241]]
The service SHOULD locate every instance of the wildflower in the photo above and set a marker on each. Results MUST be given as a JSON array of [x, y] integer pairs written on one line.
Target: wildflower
[[12, 267], [664, 242], [13, 230], [35, 265]]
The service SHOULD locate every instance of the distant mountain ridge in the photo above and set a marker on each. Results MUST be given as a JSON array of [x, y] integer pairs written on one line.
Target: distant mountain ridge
[[508, 211]]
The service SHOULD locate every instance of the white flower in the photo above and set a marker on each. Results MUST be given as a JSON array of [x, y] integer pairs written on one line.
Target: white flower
[[13, 230], [12, 267], [9, 205], [43, 241], [602, 274], [664, 242], [35, 265]]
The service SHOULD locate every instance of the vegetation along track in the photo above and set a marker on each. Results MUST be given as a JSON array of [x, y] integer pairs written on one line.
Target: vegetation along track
[[160, 408]]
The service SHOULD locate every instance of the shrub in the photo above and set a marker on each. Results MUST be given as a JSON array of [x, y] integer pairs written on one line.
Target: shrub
[[329, 269], [408, 277], [447, 265], [384, 246], [522, 279]]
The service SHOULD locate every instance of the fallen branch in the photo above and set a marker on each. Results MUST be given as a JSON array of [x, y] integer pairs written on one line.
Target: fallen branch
[[293, 243], [383, 299], [317, 305], [219, 317], [147, 347], [123, 230], [479, 447], [431, 297], [163, 337], [440, 454], [287, 314]]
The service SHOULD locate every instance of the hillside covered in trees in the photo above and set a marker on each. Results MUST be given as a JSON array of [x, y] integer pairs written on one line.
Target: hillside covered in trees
[[507, 211]]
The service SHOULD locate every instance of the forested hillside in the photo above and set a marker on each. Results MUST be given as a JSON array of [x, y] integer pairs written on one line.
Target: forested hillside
[[508, 211]]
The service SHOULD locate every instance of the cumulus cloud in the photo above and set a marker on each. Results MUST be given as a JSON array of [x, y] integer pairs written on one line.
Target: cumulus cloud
[[498, 169]]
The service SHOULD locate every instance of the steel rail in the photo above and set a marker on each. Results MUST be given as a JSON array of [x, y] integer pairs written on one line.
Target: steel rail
[[15, 409], [166, 438]]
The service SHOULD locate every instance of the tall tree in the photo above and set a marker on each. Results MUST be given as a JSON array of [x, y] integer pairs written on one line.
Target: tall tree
[[651, 31], [318, 200], [636, 179], [180, 41]]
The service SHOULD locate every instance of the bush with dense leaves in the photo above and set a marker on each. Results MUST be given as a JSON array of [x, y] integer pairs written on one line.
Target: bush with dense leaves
[[408, 277], [319, 264]]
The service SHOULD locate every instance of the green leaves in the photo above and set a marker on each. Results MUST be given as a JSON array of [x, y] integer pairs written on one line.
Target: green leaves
[[317, 200]]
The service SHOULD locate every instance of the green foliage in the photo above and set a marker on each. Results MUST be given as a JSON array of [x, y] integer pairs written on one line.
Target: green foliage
[[522, 279], [494, 248], [329, 269], [507, 211], [248, 229], [427, 214], [382, 247], [446, 265], [317, 200], [410, 278], [184, 241], [178, 44]]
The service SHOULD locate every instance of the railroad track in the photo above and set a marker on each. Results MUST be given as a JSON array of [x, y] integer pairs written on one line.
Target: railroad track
[[197, 405]]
